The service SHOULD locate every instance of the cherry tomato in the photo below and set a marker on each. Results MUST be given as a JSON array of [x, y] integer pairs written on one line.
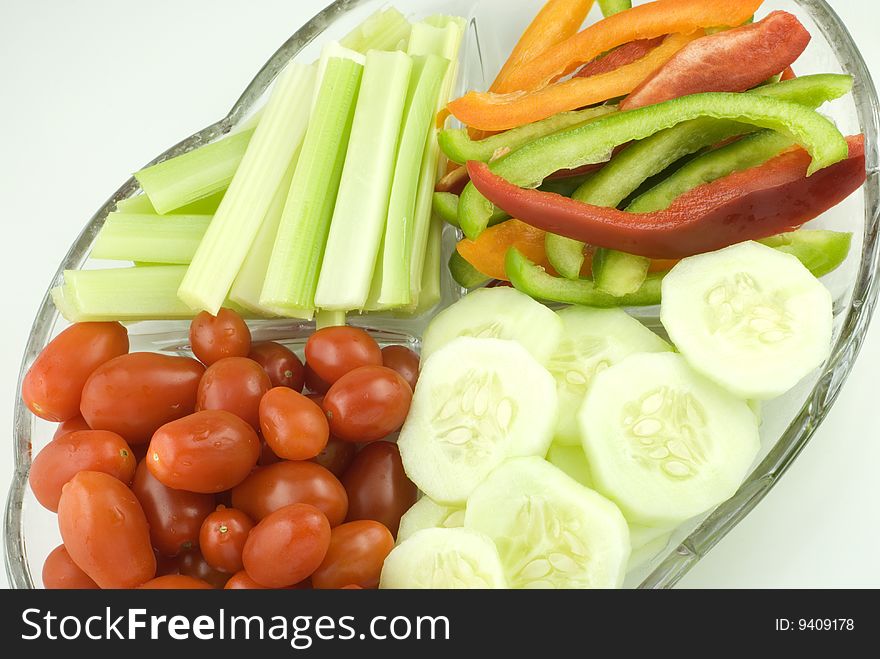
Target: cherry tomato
[[267, 455], [355, 556], [222, 538], [71, 425], [241, 581], [134, 394], [54, 383], [176, 582], [404, 361], [367, 404], [209, 451], [336, 456], [377, 486], [193, 564], [83, 450], [105, 531], [282, 366], [287, 546], [234, 384], [313, 383], [175, 516], [215, 337], [293, 426], [334, 351], [61, 573], [273, 487]]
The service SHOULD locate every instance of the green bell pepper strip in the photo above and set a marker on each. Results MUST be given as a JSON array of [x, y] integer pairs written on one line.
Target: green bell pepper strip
[[459, 147], [638, 162], [445, 206], [611, 7], [564, 186], [819, 251], [464, 274]]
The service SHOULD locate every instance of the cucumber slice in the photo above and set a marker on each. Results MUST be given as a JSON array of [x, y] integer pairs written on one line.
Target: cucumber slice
[[478, 402], [618, 273], [592, 340], [496, 313], [428, 514], [443, 558], [550, 531], [749, 317], [663, 442], [572, 461]]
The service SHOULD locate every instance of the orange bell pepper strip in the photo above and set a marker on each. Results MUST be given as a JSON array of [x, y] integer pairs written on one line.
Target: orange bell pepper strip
[[557, 21], [487, 111], [646, 21], [487, 252]]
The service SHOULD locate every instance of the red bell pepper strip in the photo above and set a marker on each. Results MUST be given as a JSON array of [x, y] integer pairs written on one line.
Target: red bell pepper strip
[[755, 203], [730, 61], [626, 54]]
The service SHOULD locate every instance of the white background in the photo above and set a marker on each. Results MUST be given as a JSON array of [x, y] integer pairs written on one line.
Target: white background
[[91, 90]]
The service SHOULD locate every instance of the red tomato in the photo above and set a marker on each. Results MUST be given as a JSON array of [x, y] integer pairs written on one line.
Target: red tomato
[[273, 487], [313, 383], [404, 361], [175, 516], [336, 456], [355, 556], [134, 394], [176, 582], [293, 426], [54, 383], [193, 564], [209, 451], [105, 531], [377, 486], [61, 573], [71, 425], [222, 538], [215, 337], [317, 398], [234, 384], [282, 366], [367, 404], [241, 581], [334, 351], [287, 546], [83, 450]]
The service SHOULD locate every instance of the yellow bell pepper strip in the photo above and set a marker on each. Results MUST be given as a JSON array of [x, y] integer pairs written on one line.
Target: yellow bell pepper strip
[[557, 21], [594, 142], [487, 252], [646, 21], [494, 112]]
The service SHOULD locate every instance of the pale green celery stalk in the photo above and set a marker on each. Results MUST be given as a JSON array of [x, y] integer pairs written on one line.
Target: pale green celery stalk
[[391, 286], [326, 318], [292, 275], [429, 295], [248, 284], [151, 238], [387, 29], [137, 204], [141, 204], [441, 36], [237, 221], [194, 175]]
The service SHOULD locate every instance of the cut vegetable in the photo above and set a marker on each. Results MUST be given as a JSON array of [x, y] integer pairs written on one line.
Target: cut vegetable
[[478, 402], [292, 275], [153, 238], [237, 221], [572, 461], [387, 29], [496, 313], [445, 206], [428, 514], [464, 274], [663, 442], [592, 340], [820, 251], [617, 273], [550, 531], [748, 317], [611, 7], [443, 559], [361, 206], [487, 252], [429, 289]]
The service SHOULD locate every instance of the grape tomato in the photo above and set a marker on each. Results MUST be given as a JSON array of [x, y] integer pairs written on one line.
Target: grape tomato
[[282, 366], [332, 352], [61, 573], [293, 426], [234, 384], [355, 556], [222, 538], [213, 338], [404, 361], [367, 404], [378, 487]]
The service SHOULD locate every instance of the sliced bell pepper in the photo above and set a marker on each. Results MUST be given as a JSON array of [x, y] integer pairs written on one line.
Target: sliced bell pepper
[[625, 54], [487, 252], [777, 196], [463, 273], [490, 111], [557, 21], [453, 181], [445, 206], [646, 21], [594, 142], [730, 61], [611, 7]]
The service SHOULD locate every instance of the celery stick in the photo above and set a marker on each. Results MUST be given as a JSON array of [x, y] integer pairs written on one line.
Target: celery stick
[[391, 287], [141, 204], [152, 238], [325, 318], [194, 175], [362, 203], [237, 221], [137, 204], [387, 29], [441, 36], [292, 275], [429, 293]]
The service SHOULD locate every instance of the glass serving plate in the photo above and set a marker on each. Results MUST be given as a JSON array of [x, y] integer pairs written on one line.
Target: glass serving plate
[[788, 422]]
